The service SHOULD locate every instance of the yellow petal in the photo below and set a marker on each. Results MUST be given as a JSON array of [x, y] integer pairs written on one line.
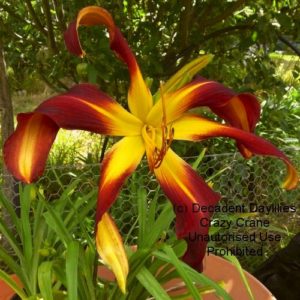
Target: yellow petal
[[139, 96], [185, 74], [119, 163], [111, 249]]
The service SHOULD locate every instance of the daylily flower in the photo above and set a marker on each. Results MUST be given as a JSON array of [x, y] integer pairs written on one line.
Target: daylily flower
[[147, 127]]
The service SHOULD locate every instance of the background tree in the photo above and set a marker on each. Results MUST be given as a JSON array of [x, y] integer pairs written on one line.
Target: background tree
[[242, 35]]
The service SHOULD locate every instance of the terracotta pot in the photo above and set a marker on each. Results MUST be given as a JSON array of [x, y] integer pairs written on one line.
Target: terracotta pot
[[232, 279], [6, 292], [217, 269]]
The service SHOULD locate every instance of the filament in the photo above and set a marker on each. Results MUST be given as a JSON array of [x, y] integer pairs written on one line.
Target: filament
[[167, 136]]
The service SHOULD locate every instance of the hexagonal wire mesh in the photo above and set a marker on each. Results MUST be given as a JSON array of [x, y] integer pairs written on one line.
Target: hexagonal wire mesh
[[238, 181]]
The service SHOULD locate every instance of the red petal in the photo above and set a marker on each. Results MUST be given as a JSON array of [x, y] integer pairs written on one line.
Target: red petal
[[27, 149], [199, 92], [72, 40], [242, 111], [185, 188], [87, 108], [94, 15], [192, 127]]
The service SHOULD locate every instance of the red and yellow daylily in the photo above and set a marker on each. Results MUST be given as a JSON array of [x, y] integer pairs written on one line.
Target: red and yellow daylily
[[147, 128]]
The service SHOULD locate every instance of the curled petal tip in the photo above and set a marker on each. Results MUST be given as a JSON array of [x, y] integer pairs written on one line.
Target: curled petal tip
[[82, 55], [292, 178], [25, 152], [71, 40], [110, 248], [244, 151]]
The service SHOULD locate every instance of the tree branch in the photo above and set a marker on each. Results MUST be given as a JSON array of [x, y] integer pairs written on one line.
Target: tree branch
[[103, 148], [59, 14], [187, 52], [184, 22], [50, 35], [227, 30], [224, 15], [288, 43], [56, 86], [35, 18], [181, 40]]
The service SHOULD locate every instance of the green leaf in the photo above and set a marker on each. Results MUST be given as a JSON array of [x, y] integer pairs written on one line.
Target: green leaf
[[152, 208], [180, 247], [27, 195], [152, 285], [196, 163], [162, 223], [196, 276], [142, 209], [63, 200], [217, 174], [182, 272], [10, 210], [254, 36], [45, 279], [9, 281], [92, 74], [9, 261], [76, 215], [136, 262], [72, 257], [38, 238], [236, 263], [9, 236], [55, 221], [87, 260], [38, 218], [166, 272]]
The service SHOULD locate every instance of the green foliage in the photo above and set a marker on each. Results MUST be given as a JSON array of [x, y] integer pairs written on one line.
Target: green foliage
[[164, 35], [46, 235], [53, 253], [280, 120]]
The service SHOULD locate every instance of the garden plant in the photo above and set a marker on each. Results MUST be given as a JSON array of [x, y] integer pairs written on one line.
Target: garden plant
[[148, 127]]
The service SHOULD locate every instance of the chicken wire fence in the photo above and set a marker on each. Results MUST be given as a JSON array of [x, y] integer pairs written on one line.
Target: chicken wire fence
[[239, 181]]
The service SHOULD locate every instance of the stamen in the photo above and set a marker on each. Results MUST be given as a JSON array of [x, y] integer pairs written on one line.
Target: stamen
[[148, 134], [167, 136], [156, 155]]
